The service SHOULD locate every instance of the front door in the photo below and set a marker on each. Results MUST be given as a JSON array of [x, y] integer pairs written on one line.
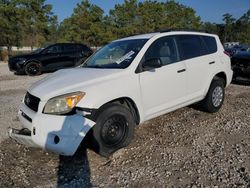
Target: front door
[[165, 87], [51, 57]]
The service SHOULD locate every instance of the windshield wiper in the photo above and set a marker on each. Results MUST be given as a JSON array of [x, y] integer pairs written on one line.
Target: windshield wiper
[[92, 66]]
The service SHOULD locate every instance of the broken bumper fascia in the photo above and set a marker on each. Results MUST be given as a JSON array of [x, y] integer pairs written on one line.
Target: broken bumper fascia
[[59, 134]]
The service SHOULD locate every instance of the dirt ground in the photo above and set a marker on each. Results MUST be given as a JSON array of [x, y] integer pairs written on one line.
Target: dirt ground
[[185, 148]]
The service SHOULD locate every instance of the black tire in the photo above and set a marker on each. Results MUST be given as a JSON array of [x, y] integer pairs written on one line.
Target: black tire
[[114, 129], [215, 96], [33, 68]]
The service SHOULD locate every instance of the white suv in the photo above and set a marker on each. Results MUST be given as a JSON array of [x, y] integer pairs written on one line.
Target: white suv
[[125, 83]]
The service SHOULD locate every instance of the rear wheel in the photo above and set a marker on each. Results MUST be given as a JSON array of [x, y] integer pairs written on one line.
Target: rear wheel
[[33, 68], [215, 96], [114, 129]]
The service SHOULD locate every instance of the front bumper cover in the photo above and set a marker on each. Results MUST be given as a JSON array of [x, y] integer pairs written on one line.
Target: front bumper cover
[[21, 137], [15, 66], [59, 134]]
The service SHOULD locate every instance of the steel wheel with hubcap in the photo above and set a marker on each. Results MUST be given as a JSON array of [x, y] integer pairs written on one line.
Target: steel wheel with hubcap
[[215, 96]]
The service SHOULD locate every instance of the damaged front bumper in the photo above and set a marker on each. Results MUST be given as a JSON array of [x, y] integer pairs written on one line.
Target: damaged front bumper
[[59, 134], [22, 136]]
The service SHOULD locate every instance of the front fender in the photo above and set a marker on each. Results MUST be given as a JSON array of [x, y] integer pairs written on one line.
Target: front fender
[[97, 96]]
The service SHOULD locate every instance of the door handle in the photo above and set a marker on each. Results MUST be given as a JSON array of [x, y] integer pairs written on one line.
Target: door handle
[[182, 70], [213, 62]]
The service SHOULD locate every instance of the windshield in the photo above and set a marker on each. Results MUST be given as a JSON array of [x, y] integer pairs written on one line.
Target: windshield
[[118, 54], [37, 51]]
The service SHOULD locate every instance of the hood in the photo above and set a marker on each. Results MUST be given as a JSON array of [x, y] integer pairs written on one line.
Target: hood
[[23, 56], [71, 80]]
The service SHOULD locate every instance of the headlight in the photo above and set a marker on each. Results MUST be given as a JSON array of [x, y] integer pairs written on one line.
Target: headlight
[[63, 104]]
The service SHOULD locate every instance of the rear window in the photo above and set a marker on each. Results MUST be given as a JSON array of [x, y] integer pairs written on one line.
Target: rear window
[[210, 43], [190, 46]]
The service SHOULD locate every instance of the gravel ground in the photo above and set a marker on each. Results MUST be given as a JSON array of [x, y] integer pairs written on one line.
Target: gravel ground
[[185, 148]]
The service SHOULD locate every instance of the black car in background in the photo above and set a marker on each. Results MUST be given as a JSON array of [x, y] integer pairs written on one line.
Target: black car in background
[[51, 58], [241, 64], [235, 49]]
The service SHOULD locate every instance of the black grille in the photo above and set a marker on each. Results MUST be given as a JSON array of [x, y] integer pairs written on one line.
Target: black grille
[[31, 101]]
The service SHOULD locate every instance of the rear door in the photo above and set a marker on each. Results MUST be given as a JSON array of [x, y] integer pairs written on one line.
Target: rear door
[[194, 54], [69, 55]]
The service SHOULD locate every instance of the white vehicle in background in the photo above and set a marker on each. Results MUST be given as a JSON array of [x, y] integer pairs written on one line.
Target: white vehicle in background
[[125, 83]]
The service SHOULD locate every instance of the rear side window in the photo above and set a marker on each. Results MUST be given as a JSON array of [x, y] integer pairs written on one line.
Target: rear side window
[[190, 46], [210, 43], [83, 48], [69, 48]]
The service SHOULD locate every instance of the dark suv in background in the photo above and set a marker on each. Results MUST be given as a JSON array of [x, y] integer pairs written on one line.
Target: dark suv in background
[[51, 58]]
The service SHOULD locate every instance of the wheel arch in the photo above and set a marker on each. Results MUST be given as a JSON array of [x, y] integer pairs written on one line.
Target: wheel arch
[[37, 63], [128, 103], [33, 60], [219, 75]]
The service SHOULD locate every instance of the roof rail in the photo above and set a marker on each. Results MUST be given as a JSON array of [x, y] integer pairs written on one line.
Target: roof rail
[[190, 30]]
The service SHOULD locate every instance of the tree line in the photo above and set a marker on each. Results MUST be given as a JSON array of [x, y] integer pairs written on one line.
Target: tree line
[[232, 30], [26, 23], [33, 23]]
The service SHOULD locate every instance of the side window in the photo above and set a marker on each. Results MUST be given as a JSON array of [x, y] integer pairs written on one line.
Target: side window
[[83, 48], [190, 46], [54, 49], [164, 49], [210, 43], [69, 48]]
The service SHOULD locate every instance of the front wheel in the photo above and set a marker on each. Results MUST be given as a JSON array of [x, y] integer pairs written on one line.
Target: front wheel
[[114, 129], [32, 68], [215, 96]]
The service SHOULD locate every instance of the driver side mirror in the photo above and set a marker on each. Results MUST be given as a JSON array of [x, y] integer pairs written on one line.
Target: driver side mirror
[[152, 64]]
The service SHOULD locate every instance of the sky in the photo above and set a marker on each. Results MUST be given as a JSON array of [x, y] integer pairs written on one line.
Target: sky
[[208, 10]]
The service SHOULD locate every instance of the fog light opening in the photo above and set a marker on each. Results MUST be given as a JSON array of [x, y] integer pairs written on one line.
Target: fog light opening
[[56, 139]]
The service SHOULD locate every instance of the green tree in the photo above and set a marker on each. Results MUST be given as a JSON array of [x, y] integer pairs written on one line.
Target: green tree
[[210, 27], [150, 16], [231, 29], [243, 28], [25, 22], [132, 17], [229, 21], [180, 16], [51, 33], [9, 23], [123, 18], [37, 17], [84, 25]]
